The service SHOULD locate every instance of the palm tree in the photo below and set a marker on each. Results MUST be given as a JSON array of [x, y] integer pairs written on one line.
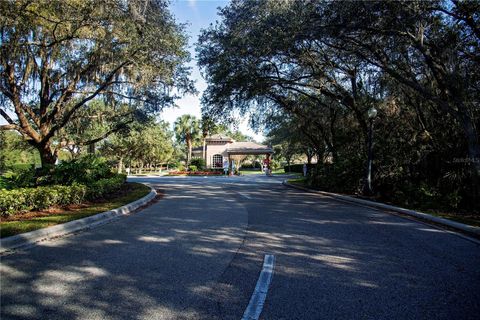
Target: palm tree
[[187, 129]]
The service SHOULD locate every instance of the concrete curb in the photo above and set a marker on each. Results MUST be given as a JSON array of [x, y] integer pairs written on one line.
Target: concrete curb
[[28, 238], [423, 216]]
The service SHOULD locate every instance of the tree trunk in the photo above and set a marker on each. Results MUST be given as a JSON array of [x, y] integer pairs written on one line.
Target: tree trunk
[[189, 152], [47, 156], [205, 150], [120, 165], [91, 148]]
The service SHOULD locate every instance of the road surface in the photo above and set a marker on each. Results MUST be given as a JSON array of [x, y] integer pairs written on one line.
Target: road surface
[[198, 253]]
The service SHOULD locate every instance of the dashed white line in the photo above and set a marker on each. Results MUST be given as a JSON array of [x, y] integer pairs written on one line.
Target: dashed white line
[[255, 306]]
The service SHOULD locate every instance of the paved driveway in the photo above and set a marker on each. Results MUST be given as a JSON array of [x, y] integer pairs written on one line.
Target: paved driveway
[[197, 254]]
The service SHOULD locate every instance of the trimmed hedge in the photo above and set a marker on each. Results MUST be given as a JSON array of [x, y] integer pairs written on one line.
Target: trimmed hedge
[[297, 168], [28, 199], [104, 186]]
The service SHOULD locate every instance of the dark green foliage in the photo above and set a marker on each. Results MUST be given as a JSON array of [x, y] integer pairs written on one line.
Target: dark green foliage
[[20, 177], [103, 187], [327, 63], [198, 162], [27, 199], [15, 153], [298, 168], [252, 165], [115, 51], [345, 176], [85, 170], [42, 197]]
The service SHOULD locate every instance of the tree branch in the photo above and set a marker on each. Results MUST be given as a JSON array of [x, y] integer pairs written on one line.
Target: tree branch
[[69, 114]]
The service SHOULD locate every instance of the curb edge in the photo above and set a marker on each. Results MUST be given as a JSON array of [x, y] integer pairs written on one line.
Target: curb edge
[[32, 237], [424, 216]]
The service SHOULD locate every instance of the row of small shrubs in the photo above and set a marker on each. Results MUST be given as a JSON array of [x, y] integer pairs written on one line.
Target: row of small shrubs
[[42, 197], [27, 199], [105, 186], [298, 168], [84, 170]]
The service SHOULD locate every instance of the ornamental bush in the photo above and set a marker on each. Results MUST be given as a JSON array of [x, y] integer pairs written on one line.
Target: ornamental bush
[[27, 199], [86, 170], [298, 168], [42, 197], [199, 163], [102, 187]]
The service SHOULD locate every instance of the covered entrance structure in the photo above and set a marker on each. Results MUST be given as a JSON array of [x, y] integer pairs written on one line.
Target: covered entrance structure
[[223, 152], [238, 151]]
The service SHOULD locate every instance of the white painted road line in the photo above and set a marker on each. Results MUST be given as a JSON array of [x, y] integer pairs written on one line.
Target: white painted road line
[[255, 306]]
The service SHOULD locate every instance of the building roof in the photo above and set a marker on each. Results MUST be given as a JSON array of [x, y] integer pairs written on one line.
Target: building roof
[[248, 148], [219, 137]]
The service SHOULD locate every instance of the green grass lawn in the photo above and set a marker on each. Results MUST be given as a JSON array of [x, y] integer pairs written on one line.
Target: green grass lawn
[[131, 192], [250, 172]]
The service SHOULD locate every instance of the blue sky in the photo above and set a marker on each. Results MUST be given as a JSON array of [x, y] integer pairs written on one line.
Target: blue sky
[[197, 14]]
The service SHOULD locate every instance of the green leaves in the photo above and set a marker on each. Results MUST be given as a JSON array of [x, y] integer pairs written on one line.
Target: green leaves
[[39, 198], [27, 199], [149, 143], [56, 56], [308, 72]]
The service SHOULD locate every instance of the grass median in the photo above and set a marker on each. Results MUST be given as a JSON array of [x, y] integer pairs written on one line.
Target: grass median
[[30, 221]]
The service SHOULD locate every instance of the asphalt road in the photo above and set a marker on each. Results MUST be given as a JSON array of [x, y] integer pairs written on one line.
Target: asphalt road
[[197, 254]]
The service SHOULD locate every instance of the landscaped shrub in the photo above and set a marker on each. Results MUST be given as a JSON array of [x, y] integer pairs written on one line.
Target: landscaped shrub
[[85, 170], [4, 183], [297, 168], [275, 164], [192, 168], [198, 162], [27, 199], [102, 187], [42, 197], [20, 177]]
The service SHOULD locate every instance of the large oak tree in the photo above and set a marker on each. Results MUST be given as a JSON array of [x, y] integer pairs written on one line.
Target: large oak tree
[[325, 63], [57, 56]]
